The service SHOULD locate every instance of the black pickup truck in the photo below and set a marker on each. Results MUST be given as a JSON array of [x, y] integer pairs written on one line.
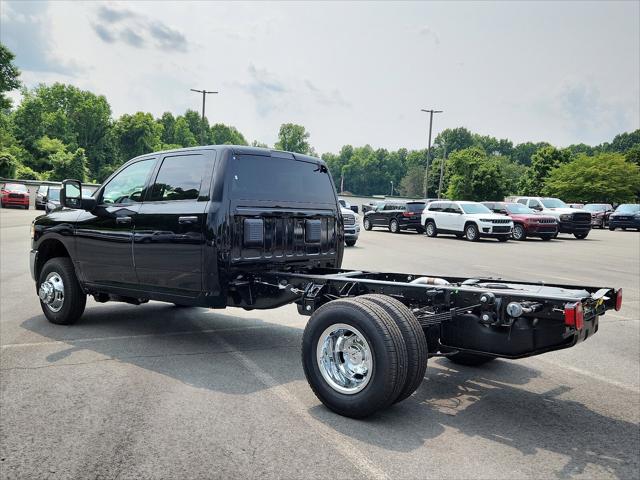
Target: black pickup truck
[[226, 226]]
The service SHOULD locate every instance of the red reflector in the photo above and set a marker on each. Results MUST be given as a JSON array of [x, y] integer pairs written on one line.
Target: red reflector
[[407, 214], [574, 315], [618, 300]]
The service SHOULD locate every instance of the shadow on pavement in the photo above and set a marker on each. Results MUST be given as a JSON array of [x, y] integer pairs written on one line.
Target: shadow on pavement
[[189, 345]]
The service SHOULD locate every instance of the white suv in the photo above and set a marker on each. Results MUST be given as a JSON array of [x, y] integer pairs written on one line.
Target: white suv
[[470, 219]]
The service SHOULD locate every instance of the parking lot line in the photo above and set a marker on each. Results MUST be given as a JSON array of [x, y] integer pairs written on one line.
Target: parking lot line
[[587, 373]]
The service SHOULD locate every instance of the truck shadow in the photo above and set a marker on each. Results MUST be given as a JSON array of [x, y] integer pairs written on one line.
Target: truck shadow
[[486, 406]]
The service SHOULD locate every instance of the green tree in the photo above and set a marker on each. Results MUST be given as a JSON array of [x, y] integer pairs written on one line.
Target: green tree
[[605, 177], [69, 165], [454, 138], [25, 173], [623, 142], [412, 183], [492, 145], [8, 165], [633, 154], [475, 176], [258, 144], [168, 122], [542, 162], [135, 135], [523, 152], [221, 134], [182, 134], [9, 76], [293, 138], [199, 128]]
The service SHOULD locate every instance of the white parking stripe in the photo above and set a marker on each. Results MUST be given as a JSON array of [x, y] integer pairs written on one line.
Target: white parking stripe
[[347, 449], [587, 373]]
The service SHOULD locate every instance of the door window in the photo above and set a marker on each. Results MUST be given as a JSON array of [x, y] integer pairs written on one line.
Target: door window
[[180, 178], [127, 186]]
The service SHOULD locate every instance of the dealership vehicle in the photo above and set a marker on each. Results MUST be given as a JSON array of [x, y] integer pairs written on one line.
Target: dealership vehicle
[[351, 221], [526, 222], [570, 220], [42, 195], [395, 216], [53, 199], [14, 195], [600, 213], [575, 205], [626, 216], [257, 229], [465, 219]]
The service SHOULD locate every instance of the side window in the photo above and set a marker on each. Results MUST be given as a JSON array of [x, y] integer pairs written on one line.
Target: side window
[[534, 203], [127, 186], [180, 178], [453, 208], [523, 201]]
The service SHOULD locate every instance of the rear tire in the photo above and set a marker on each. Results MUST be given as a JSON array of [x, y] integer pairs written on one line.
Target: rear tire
[[580, 236], [471, 232], [430, 229], [366, 223], [69, 307], [611, 228], [414, 339], [394, 227], [503, 238], [470, 359], [362, 340], [350, 243], [546, 238]]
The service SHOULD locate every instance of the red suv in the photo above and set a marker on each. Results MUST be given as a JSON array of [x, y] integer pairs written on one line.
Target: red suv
[[526, 222], [15, 194]]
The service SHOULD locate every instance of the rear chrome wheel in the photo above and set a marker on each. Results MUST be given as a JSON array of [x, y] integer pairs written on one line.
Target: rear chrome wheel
[[366, 223], [344, 358], [394, 227]]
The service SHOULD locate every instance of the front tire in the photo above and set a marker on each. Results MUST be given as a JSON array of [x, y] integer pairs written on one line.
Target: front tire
[[519, 232], [61, 297], [366, 223], [503, 238], [546, 238], [471, 232], [350, 243], [354, 357], [580, 236]]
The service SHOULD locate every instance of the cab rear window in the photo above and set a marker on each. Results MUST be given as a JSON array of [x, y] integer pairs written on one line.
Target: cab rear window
[[415, 207], [256, 177]]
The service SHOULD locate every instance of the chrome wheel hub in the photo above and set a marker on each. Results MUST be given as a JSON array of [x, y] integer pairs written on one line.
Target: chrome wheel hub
[[51, 292], [344, 358]]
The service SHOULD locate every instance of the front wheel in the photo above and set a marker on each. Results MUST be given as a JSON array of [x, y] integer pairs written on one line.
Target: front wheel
[[546, 238], [503, 238], [354, 357], [580, 236], [61, 297], [366, 223], [471, 232], [519, 232], [394, 227]]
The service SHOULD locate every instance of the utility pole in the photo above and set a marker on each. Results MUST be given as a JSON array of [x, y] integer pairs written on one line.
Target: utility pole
[[391, 188], [444, 159], [204, 99], [426, 171]]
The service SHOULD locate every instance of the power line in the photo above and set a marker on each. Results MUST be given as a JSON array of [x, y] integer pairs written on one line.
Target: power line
[[204, 98], [426, 171]]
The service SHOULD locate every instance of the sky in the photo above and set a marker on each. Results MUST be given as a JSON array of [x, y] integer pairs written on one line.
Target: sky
[[351, 73]]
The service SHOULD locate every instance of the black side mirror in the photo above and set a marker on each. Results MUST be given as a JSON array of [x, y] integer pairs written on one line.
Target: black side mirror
[[71, 196]]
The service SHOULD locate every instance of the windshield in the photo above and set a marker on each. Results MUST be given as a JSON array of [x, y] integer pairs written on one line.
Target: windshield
[[415, 207], [517, 208], [54, 194], [628, 208], [474, 208], [596, 207], [553, 203], [255, 177], [16, 187]]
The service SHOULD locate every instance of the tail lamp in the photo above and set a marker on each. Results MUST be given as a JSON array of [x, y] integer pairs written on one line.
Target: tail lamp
[[574, 315], [618, 300], [407, 214]]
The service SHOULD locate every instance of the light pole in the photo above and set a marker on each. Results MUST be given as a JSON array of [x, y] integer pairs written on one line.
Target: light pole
[[426, 171], [204, 98], [444, 158], [391, 182]]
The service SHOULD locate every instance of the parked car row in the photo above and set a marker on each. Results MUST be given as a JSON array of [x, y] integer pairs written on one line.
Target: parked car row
[[541, 217]]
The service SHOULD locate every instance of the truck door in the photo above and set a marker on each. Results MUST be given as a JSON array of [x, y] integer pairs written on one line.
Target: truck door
[[104, 237], [169, 230]]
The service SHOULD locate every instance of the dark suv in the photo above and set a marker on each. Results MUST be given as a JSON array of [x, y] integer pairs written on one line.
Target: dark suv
[[396, 216]]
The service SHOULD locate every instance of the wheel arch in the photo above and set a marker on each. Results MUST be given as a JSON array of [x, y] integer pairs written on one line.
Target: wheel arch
[[48, 249]]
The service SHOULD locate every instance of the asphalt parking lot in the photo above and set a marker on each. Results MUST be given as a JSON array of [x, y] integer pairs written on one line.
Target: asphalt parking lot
[[160, 392]]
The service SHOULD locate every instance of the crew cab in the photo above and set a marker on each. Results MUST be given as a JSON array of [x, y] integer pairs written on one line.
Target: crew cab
[[14, 195], [232, 226], [526, 222], [469, 219], [570, 220], [395, 216]]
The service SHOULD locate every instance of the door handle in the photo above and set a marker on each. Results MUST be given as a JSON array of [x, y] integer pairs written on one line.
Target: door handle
[[123, 219], [183, 220]]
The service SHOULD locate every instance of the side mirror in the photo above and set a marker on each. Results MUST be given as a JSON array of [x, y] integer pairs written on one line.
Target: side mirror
[[354, 208], [71, 196]]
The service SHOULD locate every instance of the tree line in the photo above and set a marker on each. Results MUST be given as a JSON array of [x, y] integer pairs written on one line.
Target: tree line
[[60, 131]]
